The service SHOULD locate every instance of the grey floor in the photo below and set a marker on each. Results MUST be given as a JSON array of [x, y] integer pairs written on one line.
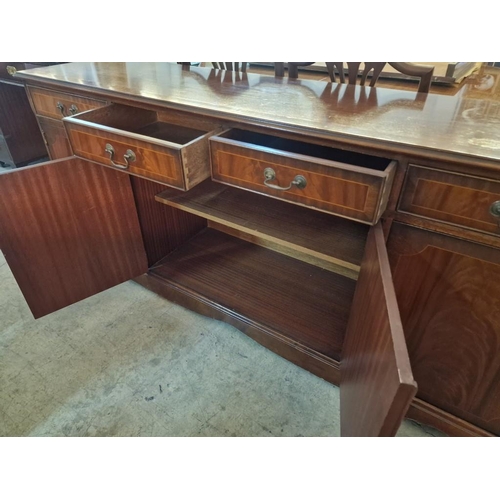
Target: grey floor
[[128, 363]]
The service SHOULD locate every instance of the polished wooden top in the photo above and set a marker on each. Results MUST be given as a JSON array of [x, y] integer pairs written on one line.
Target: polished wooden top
[[446, 126]]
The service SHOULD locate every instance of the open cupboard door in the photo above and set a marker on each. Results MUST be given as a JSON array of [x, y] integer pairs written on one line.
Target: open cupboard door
[[376, 382], [68, 229]]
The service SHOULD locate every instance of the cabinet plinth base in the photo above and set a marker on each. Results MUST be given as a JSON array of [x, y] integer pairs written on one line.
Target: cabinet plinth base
[[312, 361]]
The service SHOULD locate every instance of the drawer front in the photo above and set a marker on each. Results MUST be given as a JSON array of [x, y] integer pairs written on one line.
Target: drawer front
[[454, 198], [152, 161], [58, 104], [356, 194]]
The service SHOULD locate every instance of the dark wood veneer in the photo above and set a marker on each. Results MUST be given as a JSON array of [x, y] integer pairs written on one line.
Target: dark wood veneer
[[376, 381], [169, 153], [45, 103], [450, 315], [456, 136], [458, 199], [354, 191], [68, 230], [163, 228]]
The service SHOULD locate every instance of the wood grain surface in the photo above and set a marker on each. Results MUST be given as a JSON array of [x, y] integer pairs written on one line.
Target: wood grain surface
[[444, 126], [307, 304], [451, 314], [169, 153], [351, 191], [163, 228], [68, 230], [45, 102], [463, 200], [56, 139], [376, 381]]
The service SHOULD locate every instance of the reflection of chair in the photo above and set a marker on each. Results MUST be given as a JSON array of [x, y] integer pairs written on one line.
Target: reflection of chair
[[231, 66], [370, 68]]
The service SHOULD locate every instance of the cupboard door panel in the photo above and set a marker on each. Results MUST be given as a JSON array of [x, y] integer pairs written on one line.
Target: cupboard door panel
[[68, 230], [451, 318], [376, 382]]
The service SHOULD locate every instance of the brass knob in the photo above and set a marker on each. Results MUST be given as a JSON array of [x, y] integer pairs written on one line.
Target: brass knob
[[73, 109], [495, 209], [60, 107], [11, 70]]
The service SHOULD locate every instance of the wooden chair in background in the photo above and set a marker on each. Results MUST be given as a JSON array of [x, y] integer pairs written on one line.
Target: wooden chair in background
[[372, 69], [231, 66]]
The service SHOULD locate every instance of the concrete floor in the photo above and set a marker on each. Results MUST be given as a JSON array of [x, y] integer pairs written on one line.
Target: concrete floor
[[128, 363]]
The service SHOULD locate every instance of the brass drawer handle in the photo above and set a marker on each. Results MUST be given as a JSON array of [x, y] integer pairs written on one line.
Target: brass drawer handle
[[299, 181], [129, 157], [495, 209], [73, 109], [60, 107]]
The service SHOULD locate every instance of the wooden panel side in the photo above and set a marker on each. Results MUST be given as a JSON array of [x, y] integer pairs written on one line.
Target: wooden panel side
[[18, 125], [376, 385], [68, 230], [163, 228], [196, 161]]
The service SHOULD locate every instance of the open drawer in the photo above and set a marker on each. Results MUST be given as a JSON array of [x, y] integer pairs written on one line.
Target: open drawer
[[352, 185], [141, 142]]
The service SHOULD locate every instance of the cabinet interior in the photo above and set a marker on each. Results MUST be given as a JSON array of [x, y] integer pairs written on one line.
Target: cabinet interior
[[143, 122], [287, 269], [280, 144]]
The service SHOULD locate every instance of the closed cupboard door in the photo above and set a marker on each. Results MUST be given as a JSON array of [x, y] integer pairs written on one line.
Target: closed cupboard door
[[68, 229], [376, 381], [451, 317]]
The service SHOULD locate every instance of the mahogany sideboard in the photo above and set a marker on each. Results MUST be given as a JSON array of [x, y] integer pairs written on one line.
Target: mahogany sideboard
[[352, 230]]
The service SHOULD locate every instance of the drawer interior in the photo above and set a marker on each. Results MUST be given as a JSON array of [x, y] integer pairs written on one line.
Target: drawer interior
[[280, 144], [143, 122]]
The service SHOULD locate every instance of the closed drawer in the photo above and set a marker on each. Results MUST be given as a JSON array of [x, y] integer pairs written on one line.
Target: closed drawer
[[458, 199], [141, 142], [59, 104], [347, 184]]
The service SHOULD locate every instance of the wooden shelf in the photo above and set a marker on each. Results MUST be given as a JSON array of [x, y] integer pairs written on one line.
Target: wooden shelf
[[317, 238], [307, 304]]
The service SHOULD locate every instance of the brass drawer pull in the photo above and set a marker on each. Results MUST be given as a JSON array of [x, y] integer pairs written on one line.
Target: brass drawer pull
[[60, 107], [495, 209], [73, 109], [129, 157], [299, 181]]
